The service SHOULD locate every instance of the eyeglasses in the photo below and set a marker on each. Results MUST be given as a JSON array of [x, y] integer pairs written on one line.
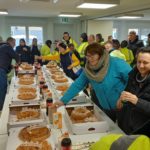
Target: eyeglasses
[[94, 56]]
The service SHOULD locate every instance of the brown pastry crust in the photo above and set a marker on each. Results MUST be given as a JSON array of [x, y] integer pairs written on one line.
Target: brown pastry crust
[[80, 113], [34, 134], [27, 96], [51, 65], [26, 66], [60, 80], [28, 114], [30, 146], [26, 81], [62, 87], [27, 89]]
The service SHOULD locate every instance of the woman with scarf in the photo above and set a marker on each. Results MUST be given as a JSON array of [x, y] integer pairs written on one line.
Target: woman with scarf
[[107, 75]]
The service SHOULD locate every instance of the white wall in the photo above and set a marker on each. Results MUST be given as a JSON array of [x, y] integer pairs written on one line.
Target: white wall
[[102, 26], [124, 25], [47, 23]]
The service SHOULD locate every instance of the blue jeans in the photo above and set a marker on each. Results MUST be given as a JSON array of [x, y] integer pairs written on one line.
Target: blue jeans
[[3, 87]]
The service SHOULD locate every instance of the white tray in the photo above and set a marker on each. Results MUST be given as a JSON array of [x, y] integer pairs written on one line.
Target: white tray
[[13, 121], [18, 85], [100, 126], [21, 71], [17, 101], [14, 141]]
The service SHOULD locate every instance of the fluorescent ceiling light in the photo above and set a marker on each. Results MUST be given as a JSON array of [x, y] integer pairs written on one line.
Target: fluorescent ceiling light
[[55, 1], [3, 12], [69, 15], [97, 4], [131, 16]]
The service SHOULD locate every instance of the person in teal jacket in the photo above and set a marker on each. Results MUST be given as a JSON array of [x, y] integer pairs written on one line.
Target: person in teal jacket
[[107, 75]]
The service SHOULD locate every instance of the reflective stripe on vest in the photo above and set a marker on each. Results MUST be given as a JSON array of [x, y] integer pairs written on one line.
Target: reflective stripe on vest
[[123, 142]]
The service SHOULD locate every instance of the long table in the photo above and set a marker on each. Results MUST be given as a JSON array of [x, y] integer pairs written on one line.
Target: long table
[[113, 128]]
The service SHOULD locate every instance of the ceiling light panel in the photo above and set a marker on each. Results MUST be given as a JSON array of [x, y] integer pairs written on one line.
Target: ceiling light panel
[[97, 4]]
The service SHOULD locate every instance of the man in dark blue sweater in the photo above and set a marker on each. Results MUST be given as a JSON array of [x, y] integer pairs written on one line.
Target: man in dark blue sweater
[[6, 55]]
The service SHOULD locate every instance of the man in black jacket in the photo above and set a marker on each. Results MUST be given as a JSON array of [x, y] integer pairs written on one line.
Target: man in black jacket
[[134, 44], [6, 55]]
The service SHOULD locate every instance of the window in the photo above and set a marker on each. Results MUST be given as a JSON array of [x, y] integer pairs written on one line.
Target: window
[[36, 32], [136, 30], [114, 34], [27, 33], [144, 33], [18, 32]]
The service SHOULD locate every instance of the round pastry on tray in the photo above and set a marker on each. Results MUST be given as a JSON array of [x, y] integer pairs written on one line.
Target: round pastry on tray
[[51, 65], [44, 145], [79, 114], [26, 81], [26, 66], [60, 80], [27, 89], [54, 72], [34, 133], [25, 76], [27, 96], [57, 76], [62, 87], [28, 114]]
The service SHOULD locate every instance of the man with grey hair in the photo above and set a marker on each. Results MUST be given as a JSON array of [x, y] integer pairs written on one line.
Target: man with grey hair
[[6, 55], [134, 43]]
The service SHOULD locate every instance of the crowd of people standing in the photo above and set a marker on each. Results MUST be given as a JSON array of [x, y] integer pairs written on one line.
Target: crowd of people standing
[[117, 73]]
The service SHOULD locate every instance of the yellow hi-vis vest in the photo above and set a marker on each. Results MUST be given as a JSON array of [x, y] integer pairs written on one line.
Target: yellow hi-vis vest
[[81, 49], [122, 142]]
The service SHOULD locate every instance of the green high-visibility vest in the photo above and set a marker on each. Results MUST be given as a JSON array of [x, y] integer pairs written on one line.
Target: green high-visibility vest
[[122, 142]]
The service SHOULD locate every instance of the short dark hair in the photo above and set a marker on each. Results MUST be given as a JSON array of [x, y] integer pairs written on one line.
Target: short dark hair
[[94, 48], [22, 40], [148, 35], [10, 39], [143, 50], [124, 43], [100, 37], [70, 45], [63, 45], [66, 33], [116, 44], [48, 42], [84, 37]]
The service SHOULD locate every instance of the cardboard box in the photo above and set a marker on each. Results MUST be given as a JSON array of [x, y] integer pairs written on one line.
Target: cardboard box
[[14, 122], [14, 141], [16, 101], [99, 126]]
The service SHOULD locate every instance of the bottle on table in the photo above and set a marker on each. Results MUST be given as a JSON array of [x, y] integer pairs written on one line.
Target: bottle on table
[[66, 144], [50, 110]]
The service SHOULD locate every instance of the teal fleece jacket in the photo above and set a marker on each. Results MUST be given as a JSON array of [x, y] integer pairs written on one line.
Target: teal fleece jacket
[[109, 89]]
